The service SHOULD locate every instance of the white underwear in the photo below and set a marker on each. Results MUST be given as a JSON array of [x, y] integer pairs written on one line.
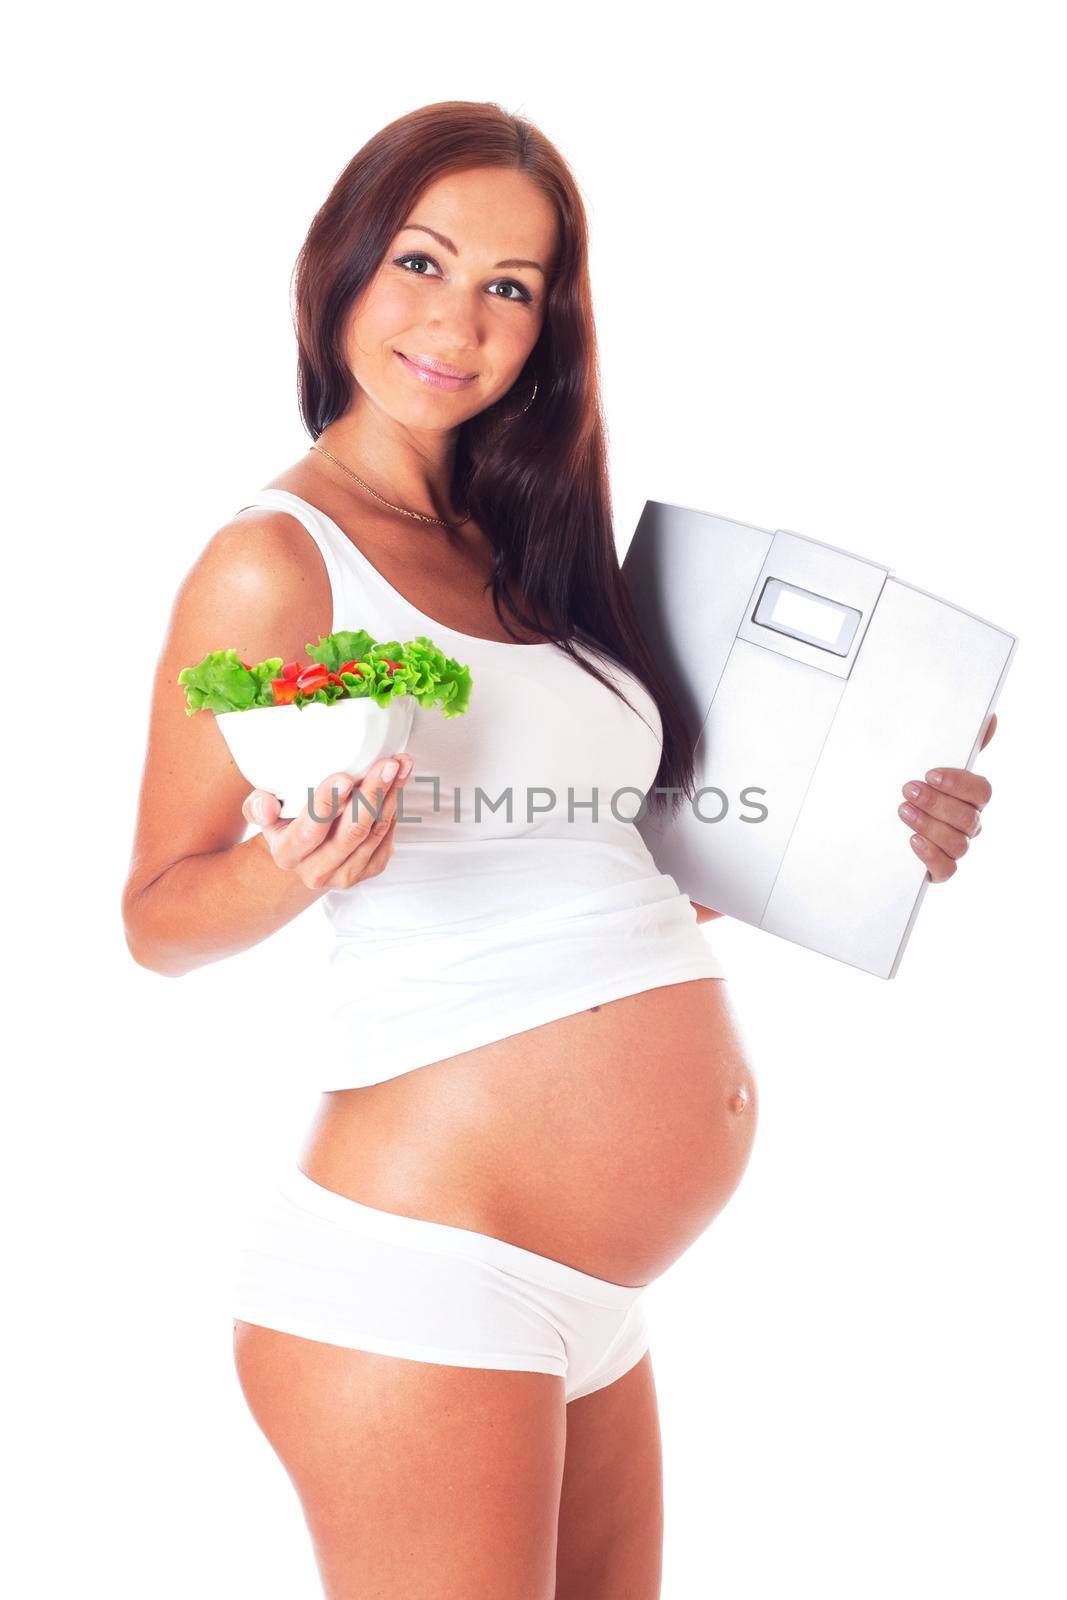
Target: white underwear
[[314, 1263]]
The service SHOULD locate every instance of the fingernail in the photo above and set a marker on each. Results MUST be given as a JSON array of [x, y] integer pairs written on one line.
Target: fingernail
[[913, 790], [390, 770], [909, 813], [919, 842], [933, 777], [258, 809]]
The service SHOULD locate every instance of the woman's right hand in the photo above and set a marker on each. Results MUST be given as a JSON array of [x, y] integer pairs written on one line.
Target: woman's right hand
[[338, 851]]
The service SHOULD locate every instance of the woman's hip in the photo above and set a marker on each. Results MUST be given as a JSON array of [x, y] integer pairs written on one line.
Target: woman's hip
[[312, 1262]]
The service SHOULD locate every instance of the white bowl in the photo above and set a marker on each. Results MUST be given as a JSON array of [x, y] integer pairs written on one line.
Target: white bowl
[[288, 750]]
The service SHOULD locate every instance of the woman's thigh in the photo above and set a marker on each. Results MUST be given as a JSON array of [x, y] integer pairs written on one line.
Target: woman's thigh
[[414, 1477], [610, 1536]]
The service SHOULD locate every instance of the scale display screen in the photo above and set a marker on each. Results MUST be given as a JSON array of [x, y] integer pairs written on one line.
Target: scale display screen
[[811, 618]]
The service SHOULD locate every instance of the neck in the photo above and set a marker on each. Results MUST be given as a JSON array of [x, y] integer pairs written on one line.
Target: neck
[[409, 466]]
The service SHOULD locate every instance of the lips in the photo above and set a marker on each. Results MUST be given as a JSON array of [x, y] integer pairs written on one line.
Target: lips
[[428, 364]]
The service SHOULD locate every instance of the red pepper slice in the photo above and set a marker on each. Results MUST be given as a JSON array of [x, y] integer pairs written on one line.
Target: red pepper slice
[[350, 666], [292, 669], [312, 678], [245, 665], [285, 691], [334, 677]]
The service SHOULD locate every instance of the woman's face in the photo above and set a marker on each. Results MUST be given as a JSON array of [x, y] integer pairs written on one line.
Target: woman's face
[[466, 288]]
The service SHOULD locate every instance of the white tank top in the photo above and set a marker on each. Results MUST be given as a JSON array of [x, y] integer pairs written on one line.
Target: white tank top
[[482, 924]]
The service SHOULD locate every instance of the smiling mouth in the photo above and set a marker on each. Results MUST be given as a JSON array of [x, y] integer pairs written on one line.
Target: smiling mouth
[[428, 364]]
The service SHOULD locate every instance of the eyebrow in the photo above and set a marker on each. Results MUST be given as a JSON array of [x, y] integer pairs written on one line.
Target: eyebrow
[[448, 245]]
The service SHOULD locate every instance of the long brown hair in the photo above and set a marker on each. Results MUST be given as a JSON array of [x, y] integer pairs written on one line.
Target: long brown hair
[[538, 484]]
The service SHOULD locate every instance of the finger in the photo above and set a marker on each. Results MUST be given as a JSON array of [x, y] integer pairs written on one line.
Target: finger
[[264, 811], [938, 864], [989, 732], [369, 860], [951, 841], [362, 821], [257, 798], [305, 833], [969, 787], [923, 800], [364, 825]]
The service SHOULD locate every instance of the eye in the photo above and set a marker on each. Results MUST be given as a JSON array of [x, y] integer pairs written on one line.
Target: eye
[[402, 261], [523, 295], [510, 283]]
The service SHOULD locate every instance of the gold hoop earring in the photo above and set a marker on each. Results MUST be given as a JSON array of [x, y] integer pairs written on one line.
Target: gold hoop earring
[[526, 407]]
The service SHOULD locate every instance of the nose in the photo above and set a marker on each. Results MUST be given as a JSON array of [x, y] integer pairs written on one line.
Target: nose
[[455, 327]]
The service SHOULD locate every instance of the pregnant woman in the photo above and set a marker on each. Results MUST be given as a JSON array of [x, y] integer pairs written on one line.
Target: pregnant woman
[[535, 1097]]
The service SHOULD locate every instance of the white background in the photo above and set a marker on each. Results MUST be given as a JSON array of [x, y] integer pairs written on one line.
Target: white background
[[828, 267]]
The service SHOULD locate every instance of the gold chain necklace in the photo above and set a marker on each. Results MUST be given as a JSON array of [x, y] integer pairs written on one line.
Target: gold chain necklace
[[420, 516]]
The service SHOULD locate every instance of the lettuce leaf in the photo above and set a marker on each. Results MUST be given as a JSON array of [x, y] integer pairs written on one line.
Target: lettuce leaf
[[333, 648], [436, 677], [221, 683]]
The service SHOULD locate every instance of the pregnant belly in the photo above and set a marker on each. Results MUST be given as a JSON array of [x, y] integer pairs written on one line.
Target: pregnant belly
[[607, 1140]]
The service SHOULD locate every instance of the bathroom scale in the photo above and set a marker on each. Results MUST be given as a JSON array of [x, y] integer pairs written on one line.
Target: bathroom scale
[[815, 684]]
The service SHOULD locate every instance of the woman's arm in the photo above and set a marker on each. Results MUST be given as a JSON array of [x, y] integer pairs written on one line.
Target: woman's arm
[[198, 891]]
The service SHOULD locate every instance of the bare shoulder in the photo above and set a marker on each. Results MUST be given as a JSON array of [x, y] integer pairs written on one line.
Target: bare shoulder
[[259, 586], [264, 558]]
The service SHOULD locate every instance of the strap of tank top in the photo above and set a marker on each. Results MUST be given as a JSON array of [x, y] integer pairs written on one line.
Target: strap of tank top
[[319, 529]]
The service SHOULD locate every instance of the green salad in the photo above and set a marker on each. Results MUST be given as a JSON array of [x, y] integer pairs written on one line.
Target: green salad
[[346, 665]]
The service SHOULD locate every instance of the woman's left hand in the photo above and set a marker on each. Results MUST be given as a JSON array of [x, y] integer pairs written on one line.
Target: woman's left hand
[[945, 813]]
